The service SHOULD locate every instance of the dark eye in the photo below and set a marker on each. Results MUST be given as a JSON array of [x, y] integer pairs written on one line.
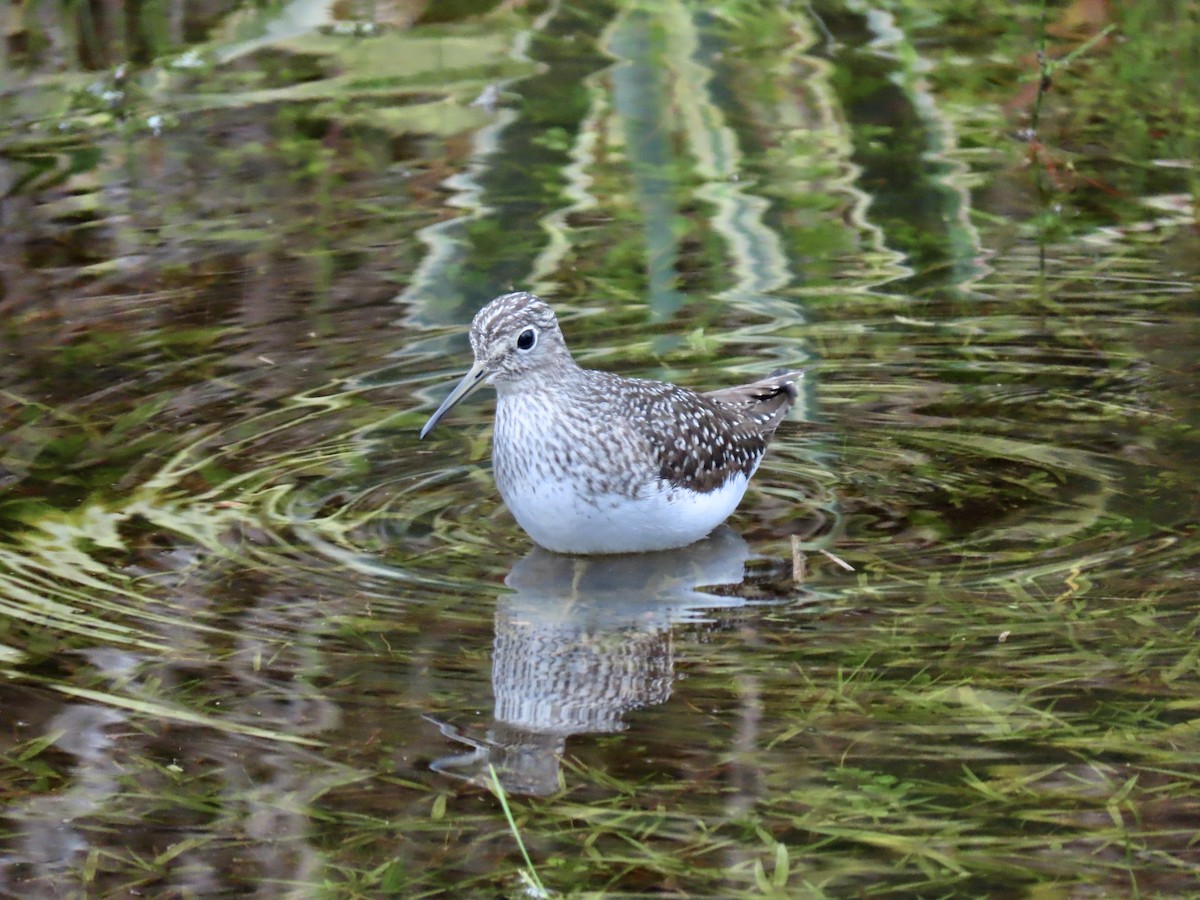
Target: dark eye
[[527, 339]]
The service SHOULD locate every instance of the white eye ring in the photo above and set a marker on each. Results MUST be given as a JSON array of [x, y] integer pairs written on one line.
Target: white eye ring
[[527, 340]]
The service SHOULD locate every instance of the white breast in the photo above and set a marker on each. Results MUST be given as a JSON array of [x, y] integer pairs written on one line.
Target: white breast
[[555, 515], [560, 495]]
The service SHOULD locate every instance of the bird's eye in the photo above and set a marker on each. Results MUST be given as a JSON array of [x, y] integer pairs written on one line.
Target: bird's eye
[[526, 339]]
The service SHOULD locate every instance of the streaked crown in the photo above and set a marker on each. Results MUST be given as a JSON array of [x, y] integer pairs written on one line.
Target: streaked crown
[[516, 336]]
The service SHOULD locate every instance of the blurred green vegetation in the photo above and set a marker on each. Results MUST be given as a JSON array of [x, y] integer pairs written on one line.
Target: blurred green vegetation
[[243, 611]]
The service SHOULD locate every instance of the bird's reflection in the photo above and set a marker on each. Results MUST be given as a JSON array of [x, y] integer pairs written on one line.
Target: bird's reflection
[[580, 642]]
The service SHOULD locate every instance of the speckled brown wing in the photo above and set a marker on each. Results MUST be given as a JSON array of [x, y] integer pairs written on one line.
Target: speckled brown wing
[[702, 440], [766, 401]]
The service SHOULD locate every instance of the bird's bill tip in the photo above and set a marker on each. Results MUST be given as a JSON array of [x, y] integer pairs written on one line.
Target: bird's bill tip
[[473, 379]]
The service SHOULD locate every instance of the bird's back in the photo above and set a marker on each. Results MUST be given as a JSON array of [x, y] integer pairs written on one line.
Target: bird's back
[[690, 440]]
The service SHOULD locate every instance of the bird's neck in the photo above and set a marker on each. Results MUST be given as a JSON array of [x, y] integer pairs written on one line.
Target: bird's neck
[[547, 381]]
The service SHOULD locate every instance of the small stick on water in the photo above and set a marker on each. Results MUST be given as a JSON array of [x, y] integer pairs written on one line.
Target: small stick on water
[[799, 561], [837, 559]]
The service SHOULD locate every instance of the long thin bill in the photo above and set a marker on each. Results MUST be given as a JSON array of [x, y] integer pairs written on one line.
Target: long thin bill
[[469, 383]]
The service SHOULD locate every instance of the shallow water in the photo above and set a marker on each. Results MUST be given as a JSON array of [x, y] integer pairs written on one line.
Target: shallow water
[[257, 637]]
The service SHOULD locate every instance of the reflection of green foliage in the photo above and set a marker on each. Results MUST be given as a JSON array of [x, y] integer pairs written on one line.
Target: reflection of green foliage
[[1135, 93], [554, 139], [998, 699]]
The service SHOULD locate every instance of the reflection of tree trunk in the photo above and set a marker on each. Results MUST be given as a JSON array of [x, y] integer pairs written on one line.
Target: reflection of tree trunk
[[99, 34], [51, 55], [744, 775], [175, 20], [14, 214]]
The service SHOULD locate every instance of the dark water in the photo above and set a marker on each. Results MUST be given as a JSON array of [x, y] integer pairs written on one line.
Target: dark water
[[258, 638]]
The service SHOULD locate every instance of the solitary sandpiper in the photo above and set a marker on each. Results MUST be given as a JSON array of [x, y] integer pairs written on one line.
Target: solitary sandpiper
[[592, 462]]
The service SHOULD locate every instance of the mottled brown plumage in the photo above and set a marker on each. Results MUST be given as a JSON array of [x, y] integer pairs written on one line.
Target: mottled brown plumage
[[593, 462]]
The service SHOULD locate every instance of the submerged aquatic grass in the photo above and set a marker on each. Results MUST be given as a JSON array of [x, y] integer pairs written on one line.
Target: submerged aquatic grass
[[256, 638], [528, 874]]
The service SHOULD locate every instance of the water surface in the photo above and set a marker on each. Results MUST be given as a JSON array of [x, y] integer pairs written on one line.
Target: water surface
[[258, 638]]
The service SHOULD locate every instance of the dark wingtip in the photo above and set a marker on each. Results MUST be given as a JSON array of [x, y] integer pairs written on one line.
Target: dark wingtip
[[787, 382]]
